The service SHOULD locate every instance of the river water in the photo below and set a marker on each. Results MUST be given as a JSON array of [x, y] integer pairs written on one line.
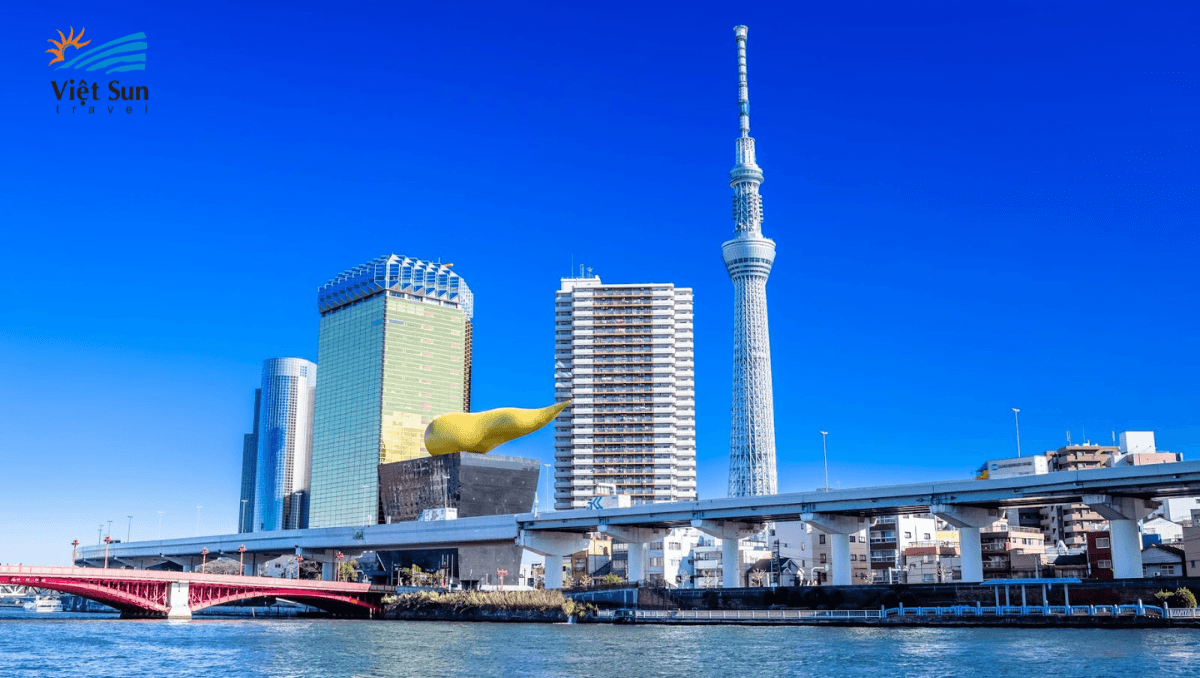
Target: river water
[[61, 645]]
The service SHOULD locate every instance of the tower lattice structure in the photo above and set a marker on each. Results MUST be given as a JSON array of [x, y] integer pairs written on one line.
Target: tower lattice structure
[[748, 258]]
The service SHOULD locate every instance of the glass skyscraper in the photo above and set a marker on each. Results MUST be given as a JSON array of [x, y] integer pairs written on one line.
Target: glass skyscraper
[[285, 428], [395, 352], [249, 467]]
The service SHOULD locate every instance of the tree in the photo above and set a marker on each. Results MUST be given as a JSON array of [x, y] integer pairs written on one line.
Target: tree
[[758, 577], [1179, 598], [348, 571], [612, 579]]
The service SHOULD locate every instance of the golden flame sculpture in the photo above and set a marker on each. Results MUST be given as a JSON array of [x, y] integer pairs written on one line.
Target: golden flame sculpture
[[482, 432]]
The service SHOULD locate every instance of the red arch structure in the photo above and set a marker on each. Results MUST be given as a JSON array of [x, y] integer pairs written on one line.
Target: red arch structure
[[160, 593]]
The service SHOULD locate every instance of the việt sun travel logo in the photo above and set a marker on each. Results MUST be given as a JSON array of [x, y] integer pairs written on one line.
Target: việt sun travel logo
[[87, 93]]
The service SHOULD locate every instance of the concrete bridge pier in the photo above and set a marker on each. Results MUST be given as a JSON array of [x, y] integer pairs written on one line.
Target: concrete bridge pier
[[839, 528], [1123, 514], [554, 546], [178, 606], [636, 538], [968, 520], [731, 533]]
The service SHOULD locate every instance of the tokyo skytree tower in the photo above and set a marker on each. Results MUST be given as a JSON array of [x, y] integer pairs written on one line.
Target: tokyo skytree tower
[[748, 258]]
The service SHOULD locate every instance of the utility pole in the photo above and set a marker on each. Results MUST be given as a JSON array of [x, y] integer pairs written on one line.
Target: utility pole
[[128, 529]]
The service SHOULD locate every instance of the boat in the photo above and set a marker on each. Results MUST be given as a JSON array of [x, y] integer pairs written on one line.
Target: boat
[[43, 604]]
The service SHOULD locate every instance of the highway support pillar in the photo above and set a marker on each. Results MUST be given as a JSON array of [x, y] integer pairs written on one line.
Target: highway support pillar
[[636, 538], [968, 520], [178, 606], [731, 534], [1123, 514], [327, 558], [554, 546], [839, 528]]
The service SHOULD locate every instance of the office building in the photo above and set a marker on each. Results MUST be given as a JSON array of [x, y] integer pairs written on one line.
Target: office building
[[249, 466], [395, 353], [284, 444], [624, 357], [748, 260]]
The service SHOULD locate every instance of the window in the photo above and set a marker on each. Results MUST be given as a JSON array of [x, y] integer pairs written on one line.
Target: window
[[908, 535], [926, 536], [822, 557], [1104, 564], [853, 557], [1103, 543], [851, 539], [820, 539], [656, 562]]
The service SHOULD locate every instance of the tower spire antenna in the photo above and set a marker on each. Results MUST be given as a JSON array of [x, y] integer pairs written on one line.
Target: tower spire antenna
[[743, 88]]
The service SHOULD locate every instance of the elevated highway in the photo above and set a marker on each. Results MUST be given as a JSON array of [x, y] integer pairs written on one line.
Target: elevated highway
[[1122, 495]]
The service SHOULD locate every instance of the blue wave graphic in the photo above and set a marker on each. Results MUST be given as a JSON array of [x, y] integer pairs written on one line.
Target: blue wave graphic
[[124, 54]]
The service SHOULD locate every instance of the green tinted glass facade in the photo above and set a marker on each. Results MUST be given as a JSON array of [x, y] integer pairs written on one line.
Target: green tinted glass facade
[[346, 418], [394, 353]]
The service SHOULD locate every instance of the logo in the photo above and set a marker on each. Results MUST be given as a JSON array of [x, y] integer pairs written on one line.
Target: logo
[[84, 95], [116, 56]]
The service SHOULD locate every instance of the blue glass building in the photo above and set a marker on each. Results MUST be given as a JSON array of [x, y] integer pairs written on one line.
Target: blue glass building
[[285, 428]]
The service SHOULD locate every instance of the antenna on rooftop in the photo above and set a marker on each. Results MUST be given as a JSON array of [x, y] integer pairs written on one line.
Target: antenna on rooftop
[[589, 271], [1068, 438]]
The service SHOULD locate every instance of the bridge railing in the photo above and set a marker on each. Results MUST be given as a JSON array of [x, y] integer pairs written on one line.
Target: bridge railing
[[169, 575]]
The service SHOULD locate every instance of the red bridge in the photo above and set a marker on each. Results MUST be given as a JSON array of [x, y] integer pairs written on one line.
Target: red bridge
[[159, 593]]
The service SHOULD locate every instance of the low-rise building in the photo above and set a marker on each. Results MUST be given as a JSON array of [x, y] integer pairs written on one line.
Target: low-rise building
[[1191, 545], [708, 566], [935, 563], [810, 550], [1000, 542], [1099, 553], [1162, 561], [889, 536]]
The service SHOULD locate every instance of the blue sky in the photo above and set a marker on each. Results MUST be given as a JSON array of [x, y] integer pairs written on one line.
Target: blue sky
[[974, 211]]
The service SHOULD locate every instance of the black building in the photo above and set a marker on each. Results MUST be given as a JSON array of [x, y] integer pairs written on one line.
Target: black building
[[474, 485]]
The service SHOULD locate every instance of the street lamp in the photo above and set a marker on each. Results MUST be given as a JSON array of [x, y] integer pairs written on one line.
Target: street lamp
[[74, 545], [241, 559], [100, 535], [242, 520], [299, 559], [1017, 423], [339, 566], [549, 498], [109, 531], [107, 541], [203, 558], [128, 529], [825, 453]]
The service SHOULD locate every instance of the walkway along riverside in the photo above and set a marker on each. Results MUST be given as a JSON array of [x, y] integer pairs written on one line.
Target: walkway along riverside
[[176, 595], [1122, 495]]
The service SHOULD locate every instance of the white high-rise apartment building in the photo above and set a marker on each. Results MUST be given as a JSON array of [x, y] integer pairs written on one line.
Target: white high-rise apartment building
[[624, 356]]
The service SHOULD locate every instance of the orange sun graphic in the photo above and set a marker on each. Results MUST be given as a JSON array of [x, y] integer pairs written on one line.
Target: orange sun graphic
[[72, 40]]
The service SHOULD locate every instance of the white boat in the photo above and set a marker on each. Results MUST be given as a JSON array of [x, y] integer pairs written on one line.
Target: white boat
[[43, 604]]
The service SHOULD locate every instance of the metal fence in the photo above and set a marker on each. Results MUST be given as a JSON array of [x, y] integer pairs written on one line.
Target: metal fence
[[1048, 611]]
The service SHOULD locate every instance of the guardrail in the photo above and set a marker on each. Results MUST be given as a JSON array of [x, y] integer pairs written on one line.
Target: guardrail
[[976, 611], [777, 615]]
